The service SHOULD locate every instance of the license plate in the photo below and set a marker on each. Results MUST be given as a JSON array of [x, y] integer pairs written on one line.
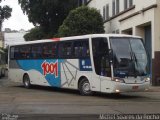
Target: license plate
[[135, 87]]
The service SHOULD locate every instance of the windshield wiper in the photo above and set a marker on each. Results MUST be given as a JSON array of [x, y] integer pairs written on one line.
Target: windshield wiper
[[134, 62]]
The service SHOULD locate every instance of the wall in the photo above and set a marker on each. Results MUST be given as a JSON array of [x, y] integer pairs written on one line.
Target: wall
[[156, 34]]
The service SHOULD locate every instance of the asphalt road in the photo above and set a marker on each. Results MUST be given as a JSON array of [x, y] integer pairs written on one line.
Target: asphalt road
[[48, 103]]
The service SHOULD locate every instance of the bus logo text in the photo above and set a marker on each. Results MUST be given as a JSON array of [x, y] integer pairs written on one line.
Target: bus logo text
[[50, 68]]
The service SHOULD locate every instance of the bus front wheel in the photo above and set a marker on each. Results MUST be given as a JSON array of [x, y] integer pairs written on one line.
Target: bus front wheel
[[26, 81], [84, 87]]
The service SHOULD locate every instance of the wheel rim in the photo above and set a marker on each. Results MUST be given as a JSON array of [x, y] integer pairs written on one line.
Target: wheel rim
[[26, 81], [86, 87]]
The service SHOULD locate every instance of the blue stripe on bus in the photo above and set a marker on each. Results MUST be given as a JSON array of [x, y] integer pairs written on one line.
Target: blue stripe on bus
[[49, 68]]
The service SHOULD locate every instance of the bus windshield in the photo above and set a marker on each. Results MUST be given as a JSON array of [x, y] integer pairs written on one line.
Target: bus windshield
[[129, 57]]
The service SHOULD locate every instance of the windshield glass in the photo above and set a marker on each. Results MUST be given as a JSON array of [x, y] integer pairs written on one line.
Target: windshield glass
[[129, 57]]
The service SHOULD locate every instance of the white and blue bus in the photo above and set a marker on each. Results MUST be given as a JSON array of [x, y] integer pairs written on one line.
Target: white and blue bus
[[106, 63]]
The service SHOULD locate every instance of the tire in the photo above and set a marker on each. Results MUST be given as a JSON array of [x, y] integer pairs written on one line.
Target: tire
[[26, 81], [3, 73], [84, 87]]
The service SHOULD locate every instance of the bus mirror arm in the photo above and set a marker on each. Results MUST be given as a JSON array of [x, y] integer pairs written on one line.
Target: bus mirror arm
[[111, 56]]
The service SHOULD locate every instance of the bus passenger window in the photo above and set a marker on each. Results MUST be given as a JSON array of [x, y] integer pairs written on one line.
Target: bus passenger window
[[45, 51], [65, 49], [76, 49], [24, 52], [49, 50], [16, 52], [53, 50], [81, 49], [60, 50], [36, 52], [85, 49], [12, 52]]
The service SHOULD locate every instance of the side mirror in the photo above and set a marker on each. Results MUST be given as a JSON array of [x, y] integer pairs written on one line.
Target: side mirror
[[111, 55]]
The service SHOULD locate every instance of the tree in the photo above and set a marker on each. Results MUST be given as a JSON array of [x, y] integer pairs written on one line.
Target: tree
[[5, 13], [48, 14], [83, 20], [34, 34]]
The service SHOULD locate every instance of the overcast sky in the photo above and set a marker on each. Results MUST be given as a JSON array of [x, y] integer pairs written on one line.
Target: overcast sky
[[18, 20]]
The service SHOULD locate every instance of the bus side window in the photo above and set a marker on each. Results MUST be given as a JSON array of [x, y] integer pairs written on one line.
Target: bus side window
[[65, 49], [85, 49], [24, 52], [16, 53], [76, 49], [36, 51], [12, 52], [49, 50], [68, 49], [60, 50], [81, 48], [53, 50]]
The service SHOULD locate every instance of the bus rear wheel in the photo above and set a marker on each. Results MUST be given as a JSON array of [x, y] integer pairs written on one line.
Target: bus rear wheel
[[84, 87], [26, 81]]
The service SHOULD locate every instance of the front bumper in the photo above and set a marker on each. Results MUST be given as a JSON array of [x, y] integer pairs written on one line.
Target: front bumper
[[123, 87]]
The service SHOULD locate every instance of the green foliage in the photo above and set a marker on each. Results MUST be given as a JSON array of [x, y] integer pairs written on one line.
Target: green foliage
[[81, 21], [48, 14], [5, 13], [34, 34]]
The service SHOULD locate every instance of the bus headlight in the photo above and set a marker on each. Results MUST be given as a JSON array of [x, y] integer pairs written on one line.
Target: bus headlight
[[147, 79], [119, 80]]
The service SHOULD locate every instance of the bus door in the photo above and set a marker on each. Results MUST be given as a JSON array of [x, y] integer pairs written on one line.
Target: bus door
[[101, 59]]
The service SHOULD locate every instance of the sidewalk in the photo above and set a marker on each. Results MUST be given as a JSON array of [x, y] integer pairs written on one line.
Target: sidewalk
[[154, 89]]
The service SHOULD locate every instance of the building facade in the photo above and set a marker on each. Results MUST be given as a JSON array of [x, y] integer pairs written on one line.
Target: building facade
[[134, 17]]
